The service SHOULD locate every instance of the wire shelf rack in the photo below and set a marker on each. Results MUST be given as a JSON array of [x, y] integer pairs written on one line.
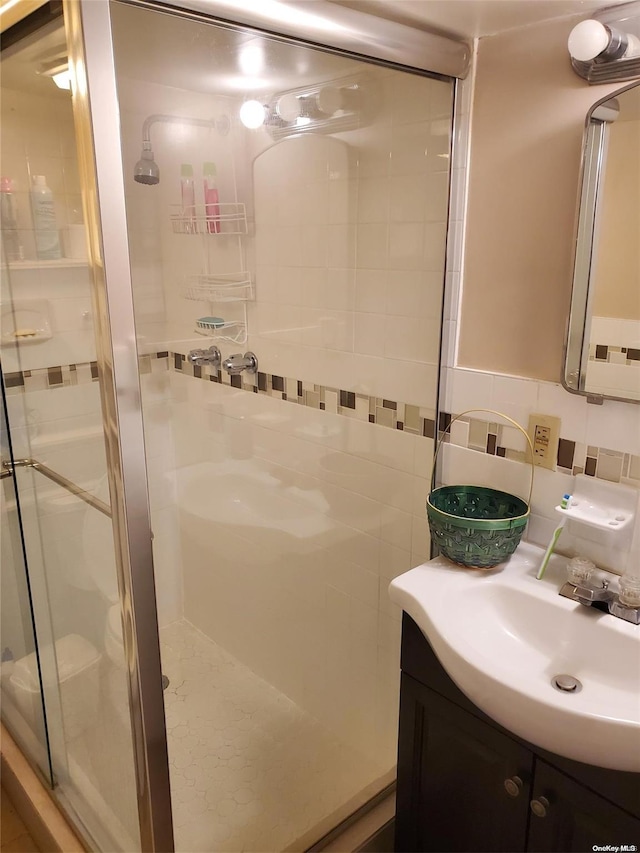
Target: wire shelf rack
[[224, 287], [234, 331], [229, 218]]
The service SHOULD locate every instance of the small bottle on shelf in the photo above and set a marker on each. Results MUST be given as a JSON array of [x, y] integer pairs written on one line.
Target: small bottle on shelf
[[45, 225], [211, 198], [9, 216]]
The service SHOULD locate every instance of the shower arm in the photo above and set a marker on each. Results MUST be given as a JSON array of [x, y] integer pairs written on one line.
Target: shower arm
[[221, 124]]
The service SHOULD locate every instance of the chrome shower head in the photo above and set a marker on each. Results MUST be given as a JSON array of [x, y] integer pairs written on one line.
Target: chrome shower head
[[146, 170]]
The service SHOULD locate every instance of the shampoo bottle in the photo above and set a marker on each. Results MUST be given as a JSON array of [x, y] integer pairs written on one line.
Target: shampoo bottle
[[9, 217], [45, 225], [211, 199], [188, 193]]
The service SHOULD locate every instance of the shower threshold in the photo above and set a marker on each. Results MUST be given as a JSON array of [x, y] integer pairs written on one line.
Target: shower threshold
[[250, 770]]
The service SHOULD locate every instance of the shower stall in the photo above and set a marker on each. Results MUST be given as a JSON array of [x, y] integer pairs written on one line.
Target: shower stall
[[220, 360]]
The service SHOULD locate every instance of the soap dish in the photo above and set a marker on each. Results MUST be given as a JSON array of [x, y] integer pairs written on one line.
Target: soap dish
[[605, 506], [209, 324]]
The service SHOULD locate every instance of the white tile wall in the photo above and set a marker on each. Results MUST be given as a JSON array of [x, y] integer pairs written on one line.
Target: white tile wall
[[377, 197]]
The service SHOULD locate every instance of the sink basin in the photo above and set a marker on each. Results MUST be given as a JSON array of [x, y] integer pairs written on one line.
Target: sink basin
[[503, 635]]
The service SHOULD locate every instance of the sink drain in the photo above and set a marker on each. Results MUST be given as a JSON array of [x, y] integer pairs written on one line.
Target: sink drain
[[165, 682], [566, 684]]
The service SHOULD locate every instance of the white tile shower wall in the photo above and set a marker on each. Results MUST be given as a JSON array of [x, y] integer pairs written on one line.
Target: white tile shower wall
[[62, 296], [350, 233], [293, 522], [38, 139], [161, 259]]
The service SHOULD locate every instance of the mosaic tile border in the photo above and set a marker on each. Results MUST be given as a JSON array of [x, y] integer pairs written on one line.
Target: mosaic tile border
[[482, 436], [626, 356], [573, 456], [58, 376], [414, 420]]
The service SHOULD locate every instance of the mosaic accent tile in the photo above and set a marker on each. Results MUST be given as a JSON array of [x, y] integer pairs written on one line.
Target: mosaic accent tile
[[384, 416], [482, 436], [573, 457], [478, 434], [614, 355], [428, 428], [609, 465], [566, 450], [444, 421]]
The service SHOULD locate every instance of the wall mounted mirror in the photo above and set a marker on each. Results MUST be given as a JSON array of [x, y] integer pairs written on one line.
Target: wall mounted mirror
[[603, 341]]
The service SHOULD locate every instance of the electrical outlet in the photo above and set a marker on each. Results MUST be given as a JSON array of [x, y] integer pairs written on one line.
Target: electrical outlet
[[544, 432]]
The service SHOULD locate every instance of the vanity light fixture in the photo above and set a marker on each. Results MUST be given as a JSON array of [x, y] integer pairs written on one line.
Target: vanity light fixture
[[252, 114], [606, 48]]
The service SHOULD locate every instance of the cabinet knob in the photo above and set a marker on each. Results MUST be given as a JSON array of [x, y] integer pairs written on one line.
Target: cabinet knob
[[513, 786], [539, 807]]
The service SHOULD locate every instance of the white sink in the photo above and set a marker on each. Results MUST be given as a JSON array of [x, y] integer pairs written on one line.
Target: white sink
[[502, 636]]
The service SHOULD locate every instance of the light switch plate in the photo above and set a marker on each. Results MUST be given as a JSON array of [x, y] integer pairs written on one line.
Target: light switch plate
[[544, 432]]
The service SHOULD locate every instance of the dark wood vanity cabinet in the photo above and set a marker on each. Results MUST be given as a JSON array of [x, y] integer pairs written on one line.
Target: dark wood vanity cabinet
[[466, 784]]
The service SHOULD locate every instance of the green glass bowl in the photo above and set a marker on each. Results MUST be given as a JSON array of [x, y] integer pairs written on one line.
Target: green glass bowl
[[475, 526]]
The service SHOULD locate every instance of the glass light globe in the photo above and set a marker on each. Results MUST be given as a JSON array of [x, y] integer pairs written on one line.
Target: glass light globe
[[252, 114]]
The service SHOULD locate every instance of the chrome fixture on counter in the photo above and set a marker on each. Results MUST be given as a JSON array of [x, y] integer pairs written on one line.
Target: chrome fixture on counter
[[200, 357], [237, 362], [598, 594]]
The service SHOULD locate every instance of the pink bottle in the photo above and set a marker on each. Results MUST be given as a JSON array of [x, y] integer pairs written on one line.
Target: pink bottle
[[211, 199]]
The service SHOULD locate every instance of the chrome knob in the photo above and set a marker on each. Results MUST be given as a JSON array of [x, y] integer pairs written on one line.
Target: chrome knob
[[513, 786], [237, 362], [199, 357], [539, 807]]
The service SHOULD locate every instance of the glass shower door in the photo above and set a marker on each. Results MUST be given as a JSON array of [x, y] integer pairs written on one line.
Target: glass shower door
[[68, 465], [22, 701], [286, 203]]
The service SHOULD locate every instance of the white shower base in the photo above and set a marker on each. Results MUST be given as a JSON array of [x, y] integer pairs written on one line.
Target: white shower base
[[250, 770]]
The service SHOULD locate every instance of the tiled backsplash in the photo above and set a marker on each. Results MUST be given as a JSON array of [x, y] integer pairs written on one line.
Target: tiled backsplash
[[478, 434], [573, 457], [601, 441]]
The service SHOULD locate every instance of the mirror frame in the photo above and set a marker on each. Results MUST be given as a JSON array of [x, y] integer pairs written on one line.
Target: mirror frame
[[576, 351]]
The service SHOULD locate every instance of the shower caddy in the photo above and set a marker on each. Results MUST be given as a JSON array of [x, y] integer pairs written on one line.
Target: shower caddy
[[214, 288]]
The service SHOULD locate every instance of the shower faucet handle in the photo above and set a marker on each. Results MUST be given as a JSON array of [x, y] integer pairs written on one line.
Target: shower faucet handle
[[237, 362], [200, 357]]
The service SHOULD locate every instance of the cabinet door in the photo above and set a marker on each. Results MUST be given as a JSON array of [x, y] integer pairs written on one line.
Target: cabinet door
[[575, 818], [452, 770]]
